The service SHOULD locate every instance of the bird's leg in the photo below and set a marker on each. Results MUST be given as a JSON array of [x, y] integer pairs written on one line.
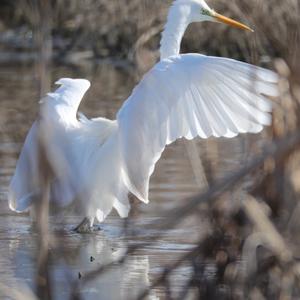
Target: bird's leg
[[86, 225]]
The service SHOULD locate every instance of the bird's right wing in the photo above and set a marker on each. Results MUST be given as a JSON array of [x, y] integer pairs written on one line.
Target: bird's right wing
[[186, 96], [57, 116]]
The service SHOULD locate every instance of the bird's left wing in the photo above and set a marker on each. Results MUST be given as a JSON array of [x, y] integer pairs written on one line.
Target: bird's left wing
[[186, 96]]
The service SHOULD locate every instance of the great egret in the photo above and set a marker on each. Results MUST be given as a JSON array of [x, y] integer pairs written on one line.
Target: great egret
[[183, 95]]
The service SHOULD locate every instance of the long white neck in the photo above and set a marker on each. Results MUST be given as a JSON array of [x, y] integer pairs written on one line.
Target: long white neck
[[174, 30]]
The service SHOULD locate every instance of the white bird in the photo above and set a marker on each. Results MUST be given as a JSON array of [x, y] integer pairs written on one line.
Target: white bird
[[99, 162]]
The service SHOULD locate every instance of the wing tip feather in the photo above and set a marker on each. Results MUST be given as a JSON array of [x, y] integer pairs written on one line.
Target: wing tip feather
[[80, 83]]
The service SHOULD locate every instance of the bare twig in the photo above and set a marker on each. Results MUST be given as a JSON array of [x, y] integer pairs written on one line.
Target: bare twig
[[271, 236]]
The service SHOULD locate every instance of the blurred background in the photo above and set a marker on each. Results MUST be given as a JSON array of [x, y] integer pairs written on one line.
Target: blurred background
[[238, 237]]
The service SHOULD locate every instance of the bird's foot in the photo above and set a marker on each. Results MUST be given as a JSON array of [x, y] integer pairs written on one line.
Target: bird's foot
[[87, 226]]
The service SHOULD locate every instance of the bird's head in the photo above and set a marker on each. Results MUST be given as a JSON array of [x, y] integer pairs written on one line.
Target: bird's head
[[199, 11]]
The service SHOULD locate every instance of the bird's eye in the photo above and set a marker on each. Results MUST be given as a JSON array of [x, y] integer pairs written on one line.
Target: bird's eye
[[205, 12]]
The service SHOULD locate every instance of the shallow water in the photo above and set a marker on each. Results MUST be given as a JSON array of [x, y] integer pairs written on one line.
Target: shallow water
[[173, 181]]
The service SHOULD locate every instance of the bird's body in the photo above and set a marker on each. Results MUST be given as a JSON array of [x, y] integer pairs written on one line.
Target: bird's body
[[100, 161]]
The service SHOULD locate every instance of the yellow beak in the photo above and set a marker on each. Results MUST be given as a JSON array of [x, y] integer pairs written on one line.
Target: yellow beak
[[231, 22]]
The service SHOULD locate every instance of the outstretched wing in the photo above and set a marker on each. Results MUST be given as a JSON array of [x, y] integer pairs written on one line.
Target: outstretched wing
[[186, 96], [58, 112]]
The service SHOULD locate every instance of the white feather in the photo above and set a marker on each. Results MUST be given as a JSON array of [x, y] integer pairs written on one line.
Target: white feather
[[186, 96]]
